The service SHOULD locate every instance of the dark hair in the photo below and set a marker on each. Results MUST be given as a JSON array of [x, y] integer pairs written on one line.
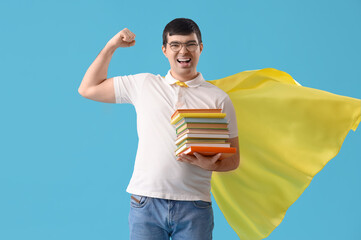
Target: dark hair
[[181, 26]]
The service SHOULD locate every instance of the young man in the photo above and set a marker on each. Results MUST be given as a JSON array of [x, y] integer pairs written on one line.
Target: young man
[[170, 197]]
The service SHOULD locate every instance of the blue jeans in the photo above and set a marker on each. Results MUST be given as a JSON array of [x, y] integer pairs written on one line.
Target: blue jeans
[[158, 219]]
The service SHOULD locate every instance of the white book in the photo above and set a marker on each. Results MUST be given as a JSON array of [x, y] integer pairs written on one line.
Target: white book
[[202, 135]]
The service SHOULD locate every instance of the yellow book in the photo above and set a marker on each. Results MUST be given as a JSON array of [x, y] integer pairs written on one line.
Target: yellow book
[[179, 116]]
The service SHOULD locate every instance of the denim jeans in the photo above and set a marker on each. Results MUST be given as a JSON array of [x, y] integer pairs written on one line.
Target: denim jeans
[[158, 219]]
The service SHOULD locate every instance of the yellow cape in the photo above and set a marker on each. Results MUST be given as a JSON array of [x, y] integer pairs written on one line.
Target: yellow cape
[[287, 134]]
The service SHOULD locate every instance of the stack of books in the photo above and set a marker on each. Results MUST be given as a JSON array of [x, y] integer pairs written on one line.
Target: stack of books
[[204, 131]]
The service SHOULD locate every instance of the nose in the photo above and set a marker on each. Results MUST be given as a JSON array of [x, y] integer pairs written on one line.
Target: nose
[[183, 48]]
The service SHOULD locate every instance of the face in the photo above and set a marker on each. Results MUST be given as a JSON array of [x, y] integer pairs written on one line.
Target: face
[[179, 68]]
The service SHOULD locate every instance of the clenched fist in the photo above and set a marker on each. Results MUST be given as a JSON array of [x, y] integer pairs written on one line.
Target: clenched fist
[[124, 38]]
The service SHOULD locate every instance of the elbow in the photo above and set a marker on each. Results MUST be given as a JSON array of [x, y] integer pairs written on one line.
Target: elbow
[[81, 92], [83, 88], [236, 164]]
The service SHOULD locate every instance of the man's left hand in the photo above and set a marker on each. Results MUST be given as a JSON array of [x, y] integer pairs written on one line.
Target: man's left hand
[[205, 162]]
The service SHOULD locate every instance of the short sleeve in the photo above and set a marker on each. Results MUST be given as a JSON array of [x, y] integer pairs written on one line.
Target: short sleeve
[[228, 109], [127, 88]]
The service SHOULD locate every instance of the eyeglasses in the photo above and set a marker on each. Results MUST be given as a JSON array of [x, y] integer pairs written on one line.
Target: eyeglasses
[[177, 46]]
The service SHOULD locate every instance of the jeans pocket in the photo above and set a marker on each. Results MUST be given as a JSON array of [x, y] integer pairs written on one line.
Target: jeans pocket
[[202, 204], [138, 201]]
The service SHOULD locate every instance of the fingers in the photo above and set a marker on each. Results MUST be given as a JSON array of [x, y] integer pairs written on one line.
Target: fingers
[[185, 158], [213, 158], [217, 156], [128, 36], [132, 43], [188, 158], [131, 34]]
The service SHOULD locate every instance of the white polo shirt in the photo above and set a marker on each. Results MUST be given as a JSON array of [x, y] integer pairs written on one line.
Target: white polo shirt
[[157, 173]]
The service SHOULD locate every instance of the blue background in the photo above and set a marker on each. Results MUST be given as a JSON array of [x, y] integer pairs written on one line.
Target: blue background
[[66, 160]]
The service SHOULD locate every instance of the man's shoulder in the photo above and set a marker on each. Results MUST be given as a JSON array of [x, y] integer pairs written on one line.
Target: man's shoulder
[[214, 89], [146, 75]]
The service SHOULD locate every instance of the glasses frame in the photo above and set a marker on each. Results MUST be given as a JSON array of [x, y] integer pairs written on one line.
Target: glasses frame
[[185, 44]]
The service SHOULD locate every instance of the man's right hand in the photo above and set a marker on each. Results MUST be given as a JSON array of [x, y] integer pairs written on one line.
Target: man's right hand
[[124, 38]]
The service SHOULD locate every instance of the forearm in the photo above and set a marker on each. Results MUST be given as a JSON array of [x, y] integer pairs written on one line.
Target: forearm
[[97, 72], [227, 164]]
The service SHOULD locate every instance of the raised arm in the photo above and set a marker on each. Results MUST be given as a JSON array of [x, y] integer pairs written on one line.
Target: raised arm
[[95, 85]]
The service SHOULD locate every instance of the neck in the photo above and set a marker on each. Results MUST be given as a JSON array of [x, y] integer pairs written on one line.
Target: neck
[[184, 77]]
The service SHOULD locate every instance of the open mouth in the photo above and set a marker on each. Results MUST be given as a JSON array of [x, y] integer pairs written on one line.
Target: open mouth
[[183, 60]]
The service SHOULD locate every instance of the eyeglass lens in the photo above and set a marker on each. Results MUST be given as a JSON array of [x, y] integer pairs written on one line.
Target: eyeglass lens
[[176, 46]]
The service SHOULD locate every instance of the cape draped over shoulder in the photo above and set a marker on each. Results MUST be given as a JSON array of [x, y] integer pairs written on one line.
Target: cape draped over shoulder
[[287, 134]]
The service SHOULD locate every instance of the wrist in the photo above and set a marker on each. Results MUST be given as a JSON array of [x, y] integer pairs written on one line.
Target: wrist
[[216, 166], [110, 48]]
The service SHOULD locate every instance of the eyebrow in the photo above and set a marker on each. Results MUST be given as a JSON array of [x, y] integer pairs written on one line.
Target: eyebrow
[[185, 42]]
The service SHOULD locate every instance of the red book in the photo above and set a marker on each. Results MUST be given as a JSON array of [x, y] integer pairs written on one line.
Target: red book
[[210, 151]]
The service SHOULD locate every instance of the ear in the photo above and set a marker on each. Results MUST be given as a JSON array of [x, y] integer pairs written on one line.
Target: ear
[[201, 47], [164, 50]]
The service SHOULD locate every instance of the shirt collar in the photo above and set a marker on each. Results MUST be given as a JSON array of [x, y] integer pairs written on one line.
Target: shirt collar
[[195, 82]]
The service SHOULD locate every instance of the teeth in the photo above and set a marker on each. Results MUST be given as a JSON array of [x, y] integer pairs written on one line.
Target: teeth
[[183, 59]]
